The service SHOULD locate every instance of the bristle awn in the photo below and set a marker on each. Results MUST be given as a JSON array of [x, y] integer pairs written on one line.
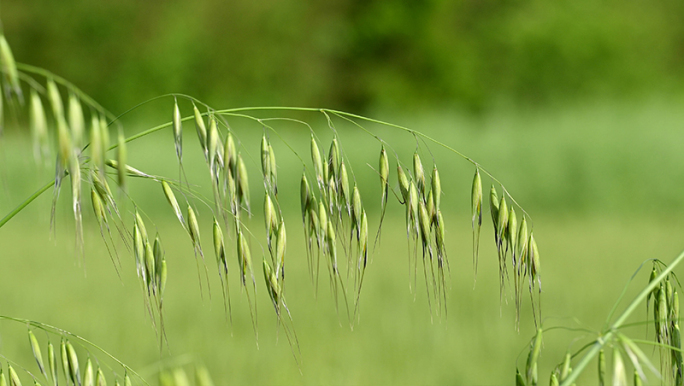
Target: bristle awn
[[245, 262], [101, 217], [363, 259], [424, 222], [476, 213], [38, 126], [193, 231], [383, 168], [221, 261]]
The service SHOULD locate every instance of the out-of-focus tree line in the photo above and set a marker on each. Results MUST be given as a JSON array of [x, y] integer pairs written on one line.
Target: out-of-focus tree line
[[354, 54]]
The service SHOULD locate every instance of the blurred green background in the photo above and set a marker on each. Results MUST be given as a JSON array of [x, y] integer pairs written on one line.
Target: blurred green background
[[574, 105]]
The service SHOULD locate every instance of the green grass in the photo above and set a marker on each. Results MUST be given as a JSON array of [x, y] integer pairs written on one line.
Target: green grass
[[601, 190]]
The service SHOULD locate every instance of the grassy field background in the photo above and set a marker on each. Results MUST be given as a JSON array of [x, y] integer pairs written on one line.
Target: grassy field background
[[600, 180]]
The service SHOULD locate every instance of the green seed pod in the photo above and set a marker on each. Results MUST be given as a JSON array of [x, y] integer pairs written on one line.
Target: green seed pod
[[364, 237], [533, 254], [76, 122], [219, 246], [334, 159], [274, 169], [344, 184], [9, 66], [127, 380], [98, 208], [494, 207], [281, 246], [65, 358], [38, 125], [519, 381], [383, 168], [602, 368], [305, 195], [637, 379], [436, 187], [270, 217], [35, 348], [149, 263], [424, 221], [403, 183], [201, 129], [440, 230], [357, 206], [268, 271], [163, 275], [502, 221], [14, 378], [554, 380], [52, 362], [177, 130], [139, 250], [74, 372], [193, 226], [419, 173], [158, 258], [265, 157], [430, 206], [121, 159], [3, 379], [512, 230], [212, 140], [89, 375], [413, 205], [100, 379], [171, 198], [55, 100], [230, 154], [317, 161], [141, 225], [243, 181]]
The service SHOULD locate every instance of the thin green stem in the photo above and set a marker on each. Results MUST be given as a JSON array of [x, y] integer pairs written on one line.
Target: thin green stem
[[26, 203], [608, 335]]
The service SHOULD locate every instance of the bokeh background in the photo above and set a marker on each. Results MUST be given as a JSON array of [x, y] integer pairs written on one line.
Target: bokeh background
[[574, 105]]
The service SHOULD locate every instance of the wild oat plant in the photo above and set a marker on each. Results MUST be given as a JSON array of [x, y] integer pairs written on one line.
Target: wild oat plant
[[333, 217]]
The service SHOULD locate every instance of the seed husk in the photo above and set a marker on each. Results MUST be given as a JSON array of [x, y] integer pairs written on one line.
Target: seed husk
[[177, 130], [554, 380], [565, 368], [55, 100], [403, 183], [193, 226], [419, 173], [73, 364], [35, 348], [14, 378], [436, 187], [519, 381], [219, 246], [230, 154], [334, 158], [38, 125], [212, 140], [76, 122], [201, 129], [344, 185], [100, 379], [619, 373], [9, 66], [52, 362], [476, 212], [89, 376], [65, 358], [305, 195], [494, 209], [533, 357], [243, 181], [317, 161], [281, 246], [171, 198], [202, 377]]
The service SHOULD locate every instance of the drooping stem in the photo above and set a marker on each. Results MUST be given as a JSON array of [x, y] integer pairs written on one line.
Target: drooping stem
[[608, 335]]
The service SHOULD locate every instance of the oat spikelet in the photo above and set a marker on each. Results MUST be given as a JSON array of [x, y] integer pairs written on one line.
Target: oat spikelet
[[9, 68], [35, 348]]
